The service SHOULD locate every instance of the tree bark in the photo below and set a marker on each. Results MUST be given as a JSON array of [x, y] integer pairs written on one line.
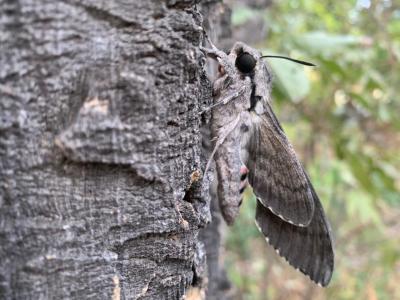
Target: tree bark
[[101, 193]]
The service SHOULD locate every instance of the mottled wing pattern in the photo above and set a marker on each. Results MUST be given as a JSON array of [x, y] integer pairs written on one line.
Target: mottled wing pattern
[[309, 249], [276, 174]]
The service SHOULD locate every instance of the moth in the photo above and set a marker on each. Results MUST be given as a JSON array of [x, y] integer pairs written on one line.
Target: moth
[[252, 148]]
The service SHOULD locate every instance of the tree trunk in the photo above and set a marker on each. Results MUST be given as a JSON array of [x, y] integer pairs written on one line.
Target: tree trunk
[[101, 194]]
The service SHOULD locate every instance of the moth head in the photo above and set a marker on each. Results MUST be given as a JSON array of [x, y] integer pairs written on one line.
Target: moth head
[[247, 60], [242, 64]]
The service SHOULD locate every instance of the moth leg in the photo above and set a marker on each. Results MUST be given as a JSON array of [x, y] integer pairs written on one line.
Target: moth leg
[[218, 55], [221, 139], [225, 100], [214, 52]]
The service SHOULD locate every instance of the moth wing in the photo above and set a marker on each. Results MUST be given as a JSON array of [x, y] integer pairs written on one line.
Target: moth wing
[[309, 249], [276, 175]]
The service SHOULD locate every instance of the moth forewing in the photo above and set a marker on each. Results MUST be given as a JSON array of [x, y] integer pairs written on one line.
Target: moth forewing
[[276, 174]]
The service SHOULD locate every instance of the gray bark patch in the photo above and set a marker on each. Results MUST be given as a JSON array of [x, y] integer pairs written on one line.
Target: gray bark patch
[[99, 138]]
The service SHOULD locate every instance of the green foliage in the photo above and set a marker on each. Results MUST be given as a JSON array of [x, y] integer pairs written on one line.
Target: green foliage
[[343, 118], [291, 79]]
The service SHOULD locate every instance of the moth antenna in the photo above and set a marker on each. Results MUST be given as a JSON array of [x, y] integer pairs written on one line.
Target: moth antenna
[[302, 62]]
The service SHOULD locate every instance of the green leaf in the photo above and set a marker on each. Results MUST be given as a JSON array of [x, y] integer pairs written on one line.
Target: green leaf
[[362, 205], [361, 170], [325, 43], [291, 78]]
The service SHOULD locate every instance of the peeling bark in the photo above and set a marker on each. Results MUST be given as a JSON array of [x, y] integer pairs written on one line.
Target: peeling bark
[[100, 149]]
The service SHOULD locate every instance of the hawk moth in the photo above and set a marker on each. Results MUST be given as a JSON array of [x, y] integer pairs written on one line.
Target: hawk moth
[[252, 148]]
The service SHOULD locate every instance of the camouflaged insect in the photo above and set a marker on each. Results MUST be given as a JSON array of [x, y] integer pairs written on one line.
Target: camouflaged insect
[[252, 148]]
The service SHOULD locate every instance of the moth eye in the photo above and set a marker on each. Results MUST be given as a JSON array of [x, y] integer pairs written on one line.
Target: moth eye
[[245, 62]]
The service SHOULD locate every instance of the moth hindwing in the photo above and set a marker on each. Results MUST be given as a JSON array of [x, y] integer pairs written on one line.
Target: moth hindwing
[[250, 144]]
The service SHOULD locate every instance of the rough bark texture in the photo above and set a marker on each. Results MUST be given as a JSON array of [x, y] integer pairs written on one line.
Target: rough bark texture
[[100, 150]]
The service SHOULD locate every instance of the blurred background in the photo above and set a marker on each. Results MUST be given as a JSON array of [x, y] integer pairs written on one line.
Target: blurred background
[[343, 118]]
